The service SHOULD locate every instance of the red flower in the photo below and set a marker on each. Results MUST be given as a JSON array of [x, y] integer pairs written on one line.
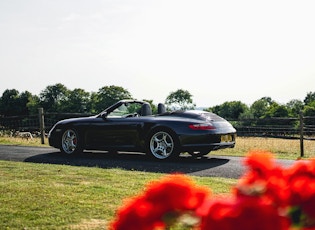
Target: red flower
[[264, 178], [244, 213], [301, 180], [176, 192], [162, 202], [135, 214]]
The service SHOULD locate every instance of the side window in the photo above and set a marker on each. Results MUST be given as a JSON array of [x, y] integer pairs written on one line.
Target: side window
[[119, 112], [134, 108], [126, 110]]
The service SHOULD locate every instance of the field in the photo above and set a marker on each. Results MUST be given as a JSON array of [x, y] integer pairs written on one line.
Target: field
[[282, 148]]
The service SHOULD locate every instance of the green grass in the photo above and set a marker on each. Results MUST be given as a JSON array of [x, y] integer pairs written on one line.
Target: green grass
[[43, 196]]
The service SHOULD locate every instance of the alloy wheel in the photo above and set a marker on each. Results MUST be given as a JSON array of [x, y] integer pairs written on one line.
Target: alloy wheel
[[69, 141], [162, 145]]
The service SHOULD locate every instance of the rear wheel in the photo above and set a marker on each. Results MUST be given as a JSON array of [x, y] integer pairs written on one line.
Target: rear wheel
[[70, 142], [162, 145]]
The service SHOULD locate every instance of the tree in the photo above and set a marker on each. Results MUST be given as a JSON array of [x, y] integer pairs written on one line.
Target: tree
[[33, 104], [13, 103], [276, 110], [53, 97], [109, 95], [92, 102], [230, 110], [309, 110], [260, 107], [294, 107], [310, 97], [180, 99], [24, 98], [9, 103], [76, 102]]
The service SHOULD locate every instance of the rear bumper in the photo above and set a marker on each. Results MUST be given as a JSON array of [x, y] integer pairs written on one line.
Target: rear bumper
[[207, 142]]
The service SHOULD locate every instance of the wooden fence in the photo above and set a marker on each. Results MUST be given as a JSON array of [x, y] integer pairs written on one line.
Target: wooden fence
[[302, 128]]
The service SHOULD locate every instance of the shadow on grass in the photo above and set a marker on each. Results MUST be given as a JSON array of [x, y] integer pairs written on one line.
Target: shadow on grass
[[134, 161]]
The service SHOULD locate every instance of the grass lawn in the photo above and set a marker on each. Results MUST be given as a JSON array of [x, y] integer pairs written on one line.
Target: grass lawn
[[43, 196]]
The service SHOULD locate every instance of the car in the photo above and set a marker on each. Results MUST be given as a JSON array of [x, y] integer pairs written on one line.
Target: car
[[130, 126]]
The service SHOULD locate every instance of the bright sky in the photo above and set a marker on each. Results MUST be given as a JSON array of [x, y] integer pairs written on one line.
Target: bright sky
[[217, 50]]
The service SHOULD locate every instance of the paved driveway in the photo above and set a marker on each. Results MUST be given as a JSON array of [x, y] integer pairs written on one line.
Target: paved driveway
[[218, 166]]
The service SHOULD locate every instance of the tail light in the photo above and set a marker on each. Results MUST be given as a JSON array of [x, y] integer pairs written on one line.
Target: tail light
[[201, 126]]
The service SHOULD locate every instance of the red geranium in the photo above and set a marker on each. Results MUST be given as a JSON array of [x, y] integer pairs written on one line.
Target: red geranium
[[244, 213], [301, 180], [161, 204], [264, 178]]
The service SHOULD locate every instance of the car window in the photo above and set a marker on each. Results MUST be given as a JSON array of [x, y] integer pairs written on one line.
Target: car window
[[126, 109], [119, 112]]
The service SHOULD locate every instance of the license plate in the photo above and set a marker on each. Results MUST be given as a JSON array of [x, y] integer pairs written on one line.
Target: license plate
[[226, 138]]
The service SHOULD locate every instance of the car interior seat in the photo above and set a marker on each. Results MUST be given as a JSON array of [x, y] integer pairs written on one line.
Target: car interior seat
[[146, 110], [161, 108]]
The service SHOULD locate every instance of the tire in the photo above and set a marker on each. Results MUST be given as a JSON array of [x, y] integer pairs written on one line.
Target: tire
[[162, 145], [70, 142]]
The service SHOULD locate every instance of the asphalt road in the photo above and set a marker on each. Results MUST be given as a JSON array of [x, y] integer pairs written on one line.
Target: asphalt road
[[218, 166]]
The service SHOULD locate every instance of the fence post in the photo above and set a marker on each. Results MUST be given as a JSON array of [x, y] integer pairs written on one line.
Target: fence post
[[41, 124], [301, 134]]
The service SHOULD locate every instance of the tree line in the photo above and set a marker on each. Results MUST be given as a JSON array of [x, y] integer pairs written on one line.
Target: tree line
[[265, 108], [59, 99]]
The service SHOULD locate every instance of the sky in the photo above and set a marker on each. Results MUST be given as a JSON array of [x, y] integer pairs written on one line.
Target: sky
[[219, 51]]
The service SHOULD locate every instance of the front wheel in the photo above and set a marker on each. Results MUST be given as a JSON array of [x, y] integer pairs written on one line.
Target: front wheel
[[162, 145], [70, 142]]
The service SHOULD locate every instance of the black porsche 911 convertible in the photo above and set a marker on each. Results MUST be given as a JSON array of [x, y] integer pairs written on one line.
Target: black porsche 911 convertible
[[130, 126]]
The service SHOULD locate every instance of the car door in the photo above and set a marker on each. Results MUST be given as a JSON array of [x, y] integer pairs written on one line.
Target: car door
[[114, 133]]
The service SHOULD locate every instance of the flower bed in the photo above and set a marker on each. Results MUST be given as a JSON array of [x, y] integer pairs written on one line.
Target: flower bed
[[267, 197]]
